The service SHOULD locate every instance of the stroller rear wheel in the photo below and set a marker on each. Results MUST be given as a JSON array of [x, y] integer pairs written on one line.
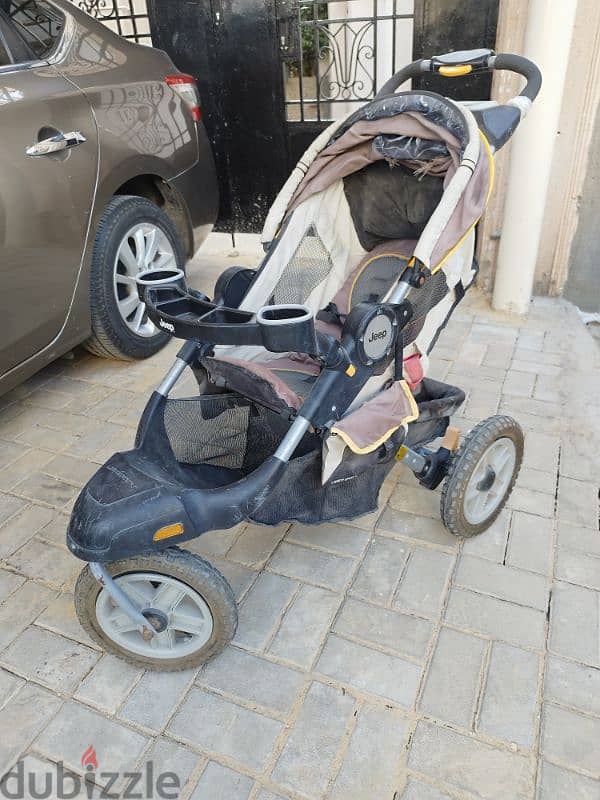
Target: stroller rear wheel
[[481, 476], [187, 601]]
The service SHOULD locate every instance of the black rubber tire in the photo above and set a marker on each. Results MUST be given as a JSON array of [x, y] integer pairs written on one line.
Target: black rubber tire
[[173, 562], [461, 468], [111, 338]]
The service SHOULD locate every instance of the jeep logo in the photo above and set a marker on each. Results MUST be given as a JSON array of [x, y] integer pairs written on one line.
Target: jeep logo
[[167, 325], [377, 335]]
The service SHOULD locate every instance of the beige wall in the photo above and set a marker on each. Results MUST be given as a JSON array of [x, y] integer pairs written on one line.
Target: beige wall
[[571, 153]]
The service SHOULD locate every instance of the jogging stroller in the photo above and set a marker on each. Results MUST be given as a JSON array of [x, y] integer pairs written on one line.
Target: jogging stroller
[[312, 369]]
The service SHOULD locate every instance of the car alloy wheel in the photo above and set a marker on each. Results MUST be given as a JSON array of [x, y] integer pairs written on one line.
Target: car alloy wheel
[[145, 246]]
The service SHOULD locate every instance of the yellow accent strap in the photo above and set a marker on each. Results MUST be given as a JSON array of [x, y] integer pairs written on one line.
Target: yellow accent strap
[[176, 529], [455, 72]]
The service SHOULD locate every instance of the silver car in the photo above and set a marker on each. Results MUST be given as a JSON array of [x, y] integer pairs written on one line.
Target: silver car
[[105, 170]]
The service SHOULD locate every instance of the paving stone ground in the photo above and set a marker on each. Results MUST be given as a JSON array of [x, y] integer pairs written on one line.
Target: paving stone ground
[[379, 659]]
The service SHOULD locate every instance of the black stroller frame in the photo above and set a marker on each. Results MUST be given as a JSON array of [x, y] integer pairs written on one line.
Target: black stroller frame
[[141, 503]]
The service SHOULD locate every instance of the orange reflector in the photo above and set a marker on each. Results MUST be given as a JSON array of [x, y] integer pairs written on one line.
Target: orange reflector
[[457, 71], [401, 453], [176, 529], [351, 371]]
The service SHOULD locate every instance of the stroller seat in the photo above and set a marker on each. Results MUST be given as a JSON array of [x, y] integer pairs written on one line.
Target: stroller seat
[[282, 383]]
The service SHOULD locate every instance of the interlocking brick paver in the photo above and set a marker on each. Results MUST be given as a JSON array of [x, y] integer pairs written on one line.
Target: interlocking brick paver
[[256, 543], [405, 525], [108, 684], [306, 761], [580, 568], [22, 718], [574, 537], [345, 540], [9, 583], [156, 697], [496, 618], [530, 543], [531, 501], [571, 738], [44, 562], [470, 765], [253, 679], [387, 628], [380, 570], [304, 625], [578, 502], [46, 489], [214, 543], [220, 726], [9, 684], [415, 790], [493, 544], [221, 783], [556, 782], [541, 451], [59, 616], [9, 506], [505, 583], [452, 683], [49, 659], [371, 765], [21, 608], [262, 608], [380, 674], [572, 684], [510, 698], [575, 623], [240, 578], [167, 756], [313, 566], [75, 727], [20, 529], [424, 583]]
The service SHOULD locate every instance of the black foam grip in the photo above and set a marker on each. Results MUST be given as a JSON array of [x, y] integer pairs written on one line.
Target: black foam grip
[[523, 66]]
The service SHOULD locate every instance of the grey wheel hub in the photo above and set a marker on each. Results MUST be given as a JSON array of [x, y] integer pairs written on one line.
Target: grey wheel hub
[[145, 246], [181, 617], [490, 480]]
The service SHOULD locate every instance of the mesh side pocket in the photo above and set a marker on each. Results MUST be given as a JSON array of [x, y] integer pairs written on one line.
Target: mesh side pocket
[[208, 430], [423, 300], [306, 269]]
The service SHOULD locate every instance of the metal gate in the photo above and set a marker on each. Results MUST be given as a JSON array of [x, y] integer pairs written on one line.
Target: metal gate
[[274, 73]]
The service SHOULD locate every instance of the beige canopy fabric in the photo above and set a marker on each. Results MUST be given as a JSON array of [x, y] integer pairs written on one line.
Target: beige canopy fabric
[[354, 151]]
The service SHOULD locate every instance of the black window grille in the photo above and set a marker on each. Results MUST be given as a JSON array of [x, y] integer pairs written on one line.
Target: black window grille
[[337, 55], [128, 18]]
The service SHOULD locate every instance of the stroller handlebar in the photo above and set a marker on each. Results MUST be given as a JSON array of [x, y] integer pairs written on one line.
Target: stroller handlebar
[[464, 62]]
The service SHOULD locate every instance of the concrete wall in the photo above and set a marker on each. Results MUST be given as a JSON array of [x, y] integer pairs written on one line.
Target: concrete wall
[[583, 283]]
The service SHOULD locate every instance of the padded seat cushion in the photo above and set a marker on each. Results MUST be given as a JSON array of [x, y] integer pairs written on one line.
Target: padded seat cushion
[[283, 382]]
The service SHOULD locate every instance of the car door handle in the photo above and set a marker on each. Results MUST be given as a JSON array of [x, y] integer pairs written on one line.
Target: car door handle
[[56, 143]]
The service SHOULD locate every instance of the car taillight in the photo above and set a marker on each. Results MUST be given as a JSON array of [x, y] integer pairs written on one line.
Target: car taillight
[[185, 86]]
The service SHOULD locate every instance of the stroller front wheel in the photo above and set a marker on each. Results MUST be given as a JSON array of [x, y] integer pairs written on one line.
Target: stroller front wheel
[[185, 598], [481, 476]]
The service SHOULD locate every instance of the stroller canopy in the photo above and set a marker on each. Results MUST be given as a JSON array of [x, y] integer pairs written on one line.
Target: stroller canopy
[[421, 137]]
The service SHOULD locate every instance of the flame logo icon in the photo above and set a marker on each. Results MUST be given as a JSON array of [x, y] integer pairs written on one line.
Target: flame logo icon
[[89, 758]]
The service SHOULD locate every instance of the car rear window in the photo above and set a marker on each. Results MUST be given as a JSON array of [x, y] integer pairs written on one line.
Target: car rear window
[[37, 22], [5, 58]]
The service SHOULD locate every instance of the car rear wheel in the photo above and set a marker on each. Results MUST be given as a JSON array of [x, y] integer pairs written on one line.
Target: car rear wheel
[[133, 235]]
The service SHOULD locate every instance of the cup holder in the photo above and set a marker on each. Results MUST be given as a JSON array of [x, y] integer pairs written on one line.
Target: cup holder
[[288, 328], [160, 278]]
